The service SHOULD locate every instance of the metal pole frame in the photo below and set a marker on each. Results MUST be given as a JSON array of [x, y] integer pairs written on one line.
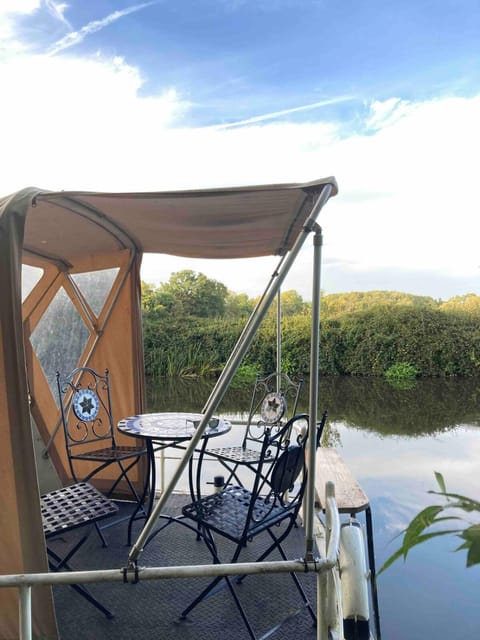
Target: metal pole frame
[[25, 612], [279, 339], [313, 399], [231, 367]]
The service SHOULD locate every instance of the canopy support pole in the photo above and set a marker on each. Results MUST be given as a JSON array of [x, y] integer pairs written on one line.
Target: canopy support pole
[[25, 612], [240, 349], [279, 339], [313, 399]]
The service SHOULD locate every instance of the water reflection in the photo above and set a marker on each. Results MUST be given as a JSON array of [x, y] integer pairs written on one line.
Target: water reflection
[[393, 439], [431, 406], [190, 394]]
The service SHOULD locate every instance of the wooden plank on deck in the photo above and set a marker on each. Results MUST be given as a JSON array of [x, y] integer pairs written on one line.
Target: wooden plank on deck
[[349, 495]]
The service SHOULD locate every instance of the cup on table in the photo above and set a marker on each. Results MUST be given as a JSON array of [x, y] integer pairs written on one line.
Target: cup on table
[[213, 423]]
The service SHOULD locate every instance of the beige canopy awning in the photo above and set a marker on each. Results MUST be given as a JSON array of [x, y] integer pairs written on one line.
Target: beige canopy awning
[[243, 222], [62, 236]]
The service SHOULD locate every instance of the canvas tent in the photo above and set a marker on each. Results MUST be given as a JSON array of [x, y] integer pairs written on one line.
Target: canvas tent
[[70, 283]]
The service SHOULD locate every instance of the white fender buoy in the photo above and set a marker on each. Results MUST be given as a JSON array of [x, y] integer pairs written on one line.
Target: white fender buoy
[[354, 582]]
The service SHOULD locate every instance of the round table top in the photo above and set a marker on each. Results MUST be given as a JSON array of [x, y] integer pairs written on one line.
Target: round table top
[[170, 426]]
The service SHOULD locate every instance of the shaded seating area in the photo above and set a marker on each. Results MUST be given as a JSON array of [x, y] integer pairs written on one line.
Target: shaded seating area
[[151, 609], [272, 604], [90, 435], [70, 269]]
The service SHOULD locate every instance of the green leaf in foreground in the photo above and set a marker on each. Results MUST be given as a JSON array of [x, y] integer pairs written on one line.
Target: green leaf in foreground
[[403, 551], [415, 533], [440, 482], [472, 543]]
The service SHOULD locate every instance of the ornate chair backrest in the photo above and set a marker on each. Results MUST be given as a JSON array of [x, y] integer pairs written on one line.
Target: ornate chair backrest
[[281, 476], [274, 401], [86, 409]]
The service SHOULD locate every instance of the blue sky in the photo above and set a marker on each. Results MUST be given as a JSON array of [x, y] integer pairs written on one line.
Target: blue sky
[[118, 95]]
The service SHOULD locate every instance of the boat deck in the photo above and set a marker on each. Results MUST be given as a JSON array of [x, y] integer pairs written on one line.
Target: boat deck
[[150, 609], [349, 495]]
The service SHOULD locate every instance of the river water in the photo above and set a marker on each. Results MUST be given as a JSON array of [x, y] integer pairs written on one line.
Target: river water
[[393, 439]]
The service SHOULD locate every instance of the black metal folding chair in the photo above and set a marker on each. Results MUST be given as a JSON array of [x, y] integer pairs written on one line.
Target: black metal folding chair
[[240, 515], [270, 398], [69, 508], [86, 412], [251, 457]]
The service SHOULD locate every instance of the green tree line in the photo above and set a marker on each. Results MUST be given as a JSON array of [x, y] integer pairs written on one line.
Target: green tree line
[[191, 324]]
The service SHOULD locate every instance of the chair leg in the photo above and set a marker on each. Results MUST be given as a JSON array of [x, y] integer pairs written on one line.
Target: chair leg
[[63, 562], [88, 596], [233, 474], [210, 543], [205, 593], [303, 595], [80, 589], [277, 545], [232, 471], [211, 546], [149, 488], [100, 535], [138, 499], [124, 474], [240, 608], [200, 597]]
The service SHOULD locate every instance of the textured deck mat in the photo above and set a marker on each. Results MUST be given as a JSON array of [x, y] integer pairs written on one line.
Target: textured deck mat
[[150, 609]]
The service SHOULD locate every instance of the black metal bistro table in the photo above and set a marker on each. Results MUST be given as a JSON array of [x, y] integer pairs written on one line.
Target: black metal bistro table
[[162, 430]]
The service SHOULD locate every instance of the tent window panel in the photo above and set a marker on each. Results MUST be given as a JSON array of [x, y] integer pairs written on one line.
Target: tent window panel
[[59, 338], [30, 277], [95, 286]]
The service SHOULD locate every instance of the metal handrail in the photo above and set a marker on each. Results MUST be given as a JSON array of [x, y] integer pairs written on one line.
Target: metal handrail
[[25, 582]]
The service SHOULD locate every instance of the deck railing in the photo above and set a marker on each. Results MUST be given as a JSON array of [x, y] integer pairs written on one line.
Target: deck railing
[[321, 566]]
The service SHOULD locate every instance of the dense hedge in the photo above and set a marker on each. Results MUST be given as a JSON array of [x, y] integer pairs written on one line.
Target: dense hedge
[[437, 342]]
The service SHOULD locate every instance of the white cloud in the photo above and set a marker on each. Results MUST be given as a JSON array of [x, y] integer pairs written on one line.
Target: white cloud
[[408, 186], [57, 10], [75, 37], [78, 122], [284, 112], [424, 170], [385, 113], [10, 10], [12, 7]]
